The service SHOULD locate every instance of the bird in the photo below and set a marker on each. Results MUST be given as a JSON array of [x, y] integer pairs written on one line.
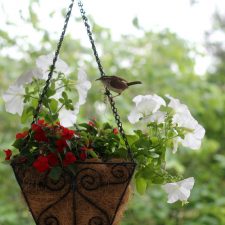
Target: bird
[[116, 84]]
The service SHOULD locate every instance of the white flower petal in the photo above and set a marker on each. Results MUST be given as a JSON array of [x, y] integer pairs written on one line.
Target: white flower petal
[[28, 76], [199, 131], [188, 183], [176, 105], [146, 105], [13, 99], [172, 198], [68, 118], [83, 85], [158, 117], [134, 116], [191, 141], [45, 61], [176, 142], [179, 190], [183, 118]]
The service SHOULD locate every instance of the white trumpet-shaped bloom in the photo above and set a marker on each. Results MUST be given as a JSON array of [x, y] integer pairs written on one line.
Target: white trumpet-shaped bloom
[[182, 117], [13, 99], [68, 118], [45, 61], [27, 77], [179, 190], [146, 105]]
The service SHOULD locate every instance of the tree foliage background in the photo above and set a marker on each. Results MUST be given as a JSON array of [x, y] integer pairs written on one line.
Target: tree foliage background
[[165, 64]]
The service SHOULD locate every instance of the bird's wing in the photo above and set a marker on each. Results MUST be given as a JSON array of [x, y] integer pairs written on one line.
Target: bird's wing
[[119, 78], [118, 84]]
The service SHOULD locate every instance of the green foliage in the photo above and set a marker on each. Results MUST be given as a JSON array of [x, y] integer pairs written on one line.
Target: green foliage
[[163, 62]]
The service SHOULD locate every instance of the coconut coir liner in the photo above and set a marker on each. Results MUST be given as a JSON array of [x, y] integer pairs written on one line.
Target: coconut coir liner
[[93, 198]]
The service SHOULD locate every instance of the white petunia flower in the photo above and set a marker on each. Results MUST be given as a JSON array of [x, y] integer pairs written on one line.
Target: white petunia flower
[[193, 139], [68, 118], [176, 142], [13, 99], [45, 61], [179, 190], [158, 117], [146, 105], [183, 118], [27, 77], [82, 86]]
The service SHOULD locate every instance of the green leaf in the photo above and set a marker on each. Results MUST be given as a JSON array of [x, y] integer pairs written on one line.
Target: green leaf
[[154, 140], [18, 143], [51, 91], [64, 95], [141, 185], [53, 105], [55, 173], [27, 113], [92, 153]]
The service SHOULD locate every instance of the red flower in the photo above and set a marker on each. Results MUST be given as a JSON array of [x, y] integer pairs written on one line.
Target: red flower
[[35, 127], [83, 156], [115, 131], [61, 144], [21, 135], [91, 123], [67, 134], [52, 159], [40, 136], [8, 154], [41, 123], [41, 164], [69, 159]]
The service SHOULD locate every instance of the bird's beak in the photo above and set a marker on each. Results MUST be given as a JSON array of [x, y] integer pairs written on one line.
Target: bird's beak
[[98, 79]]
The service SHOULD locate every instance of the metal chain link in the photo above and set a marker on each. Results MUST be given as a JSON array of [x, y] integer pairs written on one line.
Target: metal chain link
[[85, 19], [102, 73], [52, 67]]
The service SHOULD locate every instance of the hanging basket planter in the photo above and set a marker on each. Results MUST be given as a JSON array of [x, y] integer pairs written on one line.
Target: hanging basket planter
[[95, 195], [82, 175]]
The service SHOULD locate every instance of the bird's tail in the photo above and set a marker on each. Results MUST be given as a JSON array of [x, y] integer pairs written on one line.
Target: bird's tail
[[133, 83]]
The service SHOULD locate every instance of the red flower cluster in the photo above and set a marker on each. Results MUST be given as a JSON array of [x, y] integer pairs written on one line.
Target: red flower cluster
[[53, 159], [54, 137], [83, 154], [61, 145], [21, 135], [39, 133], [66, 133], [8, 154], [69, 159], [41, 164]]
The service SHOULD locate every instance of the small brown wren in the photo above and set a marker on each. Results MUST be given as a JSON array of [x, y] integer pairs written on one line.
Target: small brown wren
[[116, 84]]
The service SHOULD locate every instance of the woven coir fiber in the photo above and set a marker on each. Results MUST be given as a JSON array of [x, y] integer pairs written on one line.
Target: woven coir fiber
[[96, 195], [102, 191]]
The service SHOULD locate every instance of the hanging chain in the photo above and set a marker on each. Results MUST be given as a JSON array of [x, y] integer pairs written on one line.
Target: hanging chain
[[52, 67], [102, 73]]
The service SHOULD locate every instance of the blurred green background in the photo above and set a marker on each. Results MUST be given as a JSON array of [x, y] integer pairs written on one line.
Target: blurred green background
[[165, 63]]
